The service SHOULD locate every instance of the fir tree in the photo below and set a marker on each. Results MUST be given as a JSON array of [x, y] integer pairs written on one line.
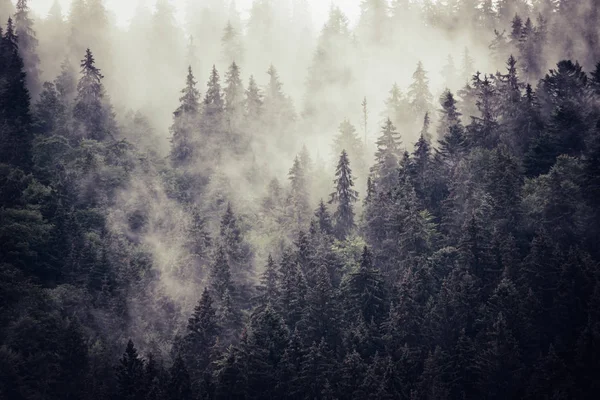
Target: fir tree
[[213, 104], [254, 101], [234, 98], [185, 122], [179, 386], [130, 375], [28, 44], [15, 123], [202, 334], [388, 152], [418, 92], [269, 284], [344, 196], [92, 113], [324, 219]]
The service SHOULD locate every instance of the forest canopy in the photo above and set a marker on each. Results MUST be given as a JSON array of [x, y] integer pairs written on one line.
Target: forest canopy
[[219, 203]]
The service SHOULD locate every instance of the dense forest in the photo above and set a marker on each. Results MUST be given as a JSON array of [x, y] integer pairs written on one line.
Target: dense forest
[[300, 226]]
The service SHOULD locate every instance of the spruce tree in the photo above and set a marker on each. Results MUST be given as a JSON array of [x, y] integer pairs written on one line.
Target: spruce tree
[[92, 113], [130, 375], [214, 104], [324, 219], [300, 206], [418, 92], [185, 123], [234, 98], [269, 284], [344, 196], [28, 47], [202, 334], [220, 273], [15, 120], [179, 386], [364, 293], [254, 101], [387, 158]]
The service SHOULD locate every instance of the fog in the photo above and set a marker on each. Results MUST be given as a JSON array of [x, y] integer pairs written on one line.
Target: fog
[[329, 57]]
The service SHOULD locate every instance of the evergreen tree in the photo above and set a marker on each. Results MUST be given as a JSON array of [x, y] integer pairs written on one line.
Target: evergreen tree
[[386, 158], [220, 274], [418, 92], [213, 104], [324, 219], [92, 113], [28, 44], [231, 45], [179, 386], [185, 123], [234, 98], [269, 284], [15, 124], [344, 196], [364, 292], [299, 193], [254, 101], [202, 334], [130, 375]]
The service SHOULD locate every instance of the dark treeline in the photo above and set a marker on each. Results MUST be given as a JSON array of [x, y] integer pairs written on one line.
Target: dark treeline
[[464, 265]]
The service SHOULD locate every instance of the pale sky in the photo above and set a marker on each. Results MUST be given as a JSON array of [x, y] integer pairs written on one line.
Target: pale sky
[[124, 8]]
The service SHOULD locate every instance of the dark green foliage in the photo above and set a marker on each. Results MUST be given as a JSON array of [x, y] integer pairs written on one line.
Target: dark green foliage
[[344, 196]]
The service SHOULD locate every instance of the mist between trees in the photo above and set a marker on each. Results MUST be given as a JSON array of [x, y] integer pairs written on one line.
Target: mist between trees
[[407, 207]]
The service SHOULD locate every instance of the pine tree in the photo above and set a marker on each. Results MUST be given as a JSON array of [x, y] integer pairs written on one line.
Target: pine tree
[[179, 386], [130, 375], [324, 219], [344, 196], [235, 247], [254, 101], [293, 289], [28, 47], [15, 123], [202, 334], [364, 292], [449, 73], [234, 98], [92, 113], [299, 193], [213, 104], [418, 92], [231, 45], [386, 158], [269, 284], [185, 123], [467, 66], [220, 274], [321, 316]]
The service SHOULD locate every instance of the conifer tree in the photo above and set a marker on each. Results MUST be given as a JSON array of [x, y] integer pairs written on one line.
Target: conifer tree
[[299, 193], [254, 101], [234, 98], [231, 45], [418, 92], [344, 196], [202, 334], [92, 113], [364, 293], [185, 123], [28, 47], [130, 375], [220, 274], [324, 219], [269, 284], [387, 158], [15, 123], [179, 386], [213, 104]]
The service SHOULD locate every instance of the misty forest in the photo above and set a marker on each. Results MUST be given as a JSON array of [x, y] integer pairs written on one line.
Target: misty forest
[[227, 202]]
